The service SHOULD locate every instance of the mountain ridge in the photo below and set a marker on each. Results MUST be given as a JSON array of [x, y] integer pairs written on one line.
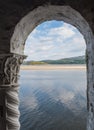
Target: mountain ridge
[[70, 60]]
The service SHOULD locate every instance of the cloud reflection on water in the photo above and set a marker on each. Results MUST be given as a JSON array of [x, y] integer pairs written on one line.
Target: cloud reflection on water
[[51, 96]]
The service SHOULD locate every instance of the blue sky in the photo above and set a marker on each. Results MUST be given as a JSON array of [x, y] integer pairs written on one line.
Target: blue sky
[[54, 40]]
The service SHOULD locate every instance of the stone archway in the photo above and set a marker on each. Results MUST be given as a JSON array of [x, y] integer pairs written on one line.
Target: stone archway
[[46, 13], [68, 15]]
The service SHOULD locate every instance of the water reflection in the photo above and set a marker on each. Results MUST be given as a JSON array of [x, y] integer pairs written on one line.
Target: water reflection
[[53, 100]]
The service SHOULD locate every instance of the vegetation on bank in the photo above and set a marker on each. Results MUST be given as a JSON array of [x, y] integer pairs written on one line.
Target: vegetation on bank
[[71, 60]]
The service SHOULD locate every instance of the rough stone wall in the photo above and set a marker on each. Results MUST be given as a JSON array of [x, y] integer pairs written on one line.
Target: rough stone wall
[[90, 83]]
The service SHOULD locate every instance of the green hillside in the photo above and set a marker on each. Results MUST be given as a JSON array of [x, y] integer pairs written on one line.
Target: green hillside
[[71, 60]]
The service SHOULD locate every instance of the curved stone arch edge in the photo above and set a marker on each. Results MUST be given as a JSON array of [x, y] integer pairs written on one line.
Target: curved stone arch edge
[[47, 13]]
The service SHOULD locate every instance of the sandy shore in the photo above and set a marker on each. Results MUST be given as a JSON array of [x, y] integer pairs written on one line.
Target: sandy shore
[[51, 67]]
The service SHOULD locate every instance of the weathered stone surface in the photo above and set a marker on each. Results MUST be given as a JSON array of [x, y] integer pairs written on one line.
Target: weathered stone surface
[[9, 88]]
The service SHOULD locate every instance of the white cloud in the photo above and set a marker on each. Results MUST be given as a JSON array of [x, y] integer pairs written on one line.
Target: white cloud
[[54, 43], [63, 32]]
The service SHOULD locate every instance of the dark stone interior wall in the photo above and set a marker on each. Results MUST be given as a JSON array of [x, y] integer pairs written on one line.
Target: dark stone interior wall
[[11, 12]]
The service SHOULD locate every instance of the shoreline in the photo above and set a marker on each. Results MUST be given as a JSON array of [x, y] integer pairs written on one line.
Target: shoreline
[[53, 67]]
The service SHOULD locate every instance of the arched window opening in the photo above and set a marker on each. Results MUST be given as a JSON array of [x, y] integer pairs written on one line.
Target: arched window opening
[[54, 98]]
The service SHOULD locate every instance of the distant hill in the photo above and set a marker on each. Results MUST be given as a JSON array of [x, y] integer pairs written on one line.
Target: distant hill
[[71, 60]]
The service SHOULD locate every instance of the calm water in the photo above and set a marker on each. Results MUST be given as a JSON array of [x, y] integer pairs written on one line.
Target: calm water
[[53, 100]]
